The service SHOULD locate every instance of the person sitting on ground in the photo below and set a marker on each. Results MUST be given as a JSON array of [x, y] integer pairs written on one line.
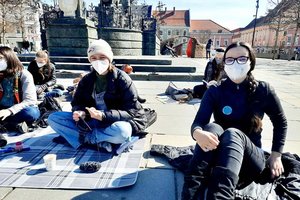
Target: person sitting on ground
[[105, 109], [213, 73], [43, 72], [228, 152], [18, 101]]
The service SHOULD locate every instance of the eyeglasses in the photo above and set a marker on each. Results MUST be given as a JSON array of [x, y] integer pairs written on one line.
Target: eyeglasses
[[240, 60]]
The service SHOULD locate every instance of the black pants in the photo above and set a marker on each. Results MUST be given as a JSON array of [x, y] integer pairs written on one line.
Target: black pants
[[236, 156]]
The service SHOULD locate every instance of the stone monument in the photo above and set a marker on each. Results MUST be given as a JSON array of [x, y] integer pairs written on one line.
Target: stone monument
[[70, 35]]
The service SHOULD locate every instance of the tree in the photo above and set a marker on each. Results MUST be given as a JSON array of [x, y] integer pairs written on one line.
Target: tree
[[294, 18], [13, 15]]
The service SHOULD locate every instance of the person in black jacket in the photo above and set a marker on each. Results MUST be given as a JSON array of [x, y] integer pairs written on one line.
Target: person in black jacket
[[105, 108], [213, 73], [43, 72], [229, 151]]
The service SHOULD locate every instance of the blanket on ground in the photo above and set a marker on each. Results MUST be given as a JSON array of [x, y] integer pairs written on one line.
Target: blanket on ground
[[27, 169]]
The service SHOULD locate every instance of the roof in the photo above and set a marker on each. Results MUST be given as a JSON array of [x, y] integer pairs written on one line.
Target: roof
[[206, 24], [173, 17], [259, 22]]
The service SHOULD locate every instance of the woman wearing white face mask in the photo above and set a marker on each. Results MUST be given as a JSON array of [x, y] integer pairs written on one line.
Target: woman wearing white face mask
[[106, 99], [17, 94], [228, 152], [214, 72], [43, 72]]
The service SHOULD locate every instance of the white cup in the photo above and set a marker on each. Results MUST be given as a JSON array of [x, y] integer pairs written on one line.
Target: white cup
[[50, 161]]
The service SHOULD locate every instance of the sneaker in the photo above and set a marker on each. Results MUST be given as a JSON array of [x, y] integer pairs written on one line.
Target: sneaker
[[124, 147], [106, 146], [22, 127], [3, 129]]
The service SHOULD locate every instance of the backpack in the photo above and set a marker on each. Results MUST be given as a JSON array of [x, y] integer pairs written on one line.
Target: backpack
[[46, 107], [151, 116]]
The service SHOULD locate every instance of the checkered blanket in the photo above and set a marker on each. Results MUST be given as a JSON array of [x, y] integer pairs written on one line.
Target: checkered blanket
[[27, 169]]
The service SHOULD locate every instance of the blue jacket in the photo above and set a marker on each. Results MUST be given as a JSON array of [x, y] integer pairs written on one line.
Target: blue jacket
[[231, 107], [120, 99]]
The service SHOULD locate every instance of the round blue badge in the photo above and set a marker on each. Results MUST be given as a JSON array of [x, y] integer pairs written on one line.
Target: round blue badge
[[227, 110]]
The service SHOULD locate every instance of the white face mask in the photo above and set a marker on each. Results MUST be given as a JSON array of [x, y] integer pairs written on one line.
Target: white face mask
[[3, 65], [100, 65], [40, 64], [237, 72]]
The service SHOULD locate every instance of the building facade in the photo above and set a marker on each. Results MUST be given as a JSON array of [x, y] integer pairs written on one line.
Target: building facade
[[24, 26], [174, 26], [203, 30]]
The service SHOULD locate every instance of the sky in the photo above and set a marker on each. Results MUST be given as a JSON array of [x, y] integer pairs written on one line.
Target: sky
[[230, 14]]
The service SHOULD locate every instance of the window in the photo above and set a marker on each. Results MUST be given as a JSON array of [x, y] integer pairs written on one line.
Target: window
[[160, 33], [220, 31], [226, 43], [217, 43], [169, 32], [184, 33], [177, 32]]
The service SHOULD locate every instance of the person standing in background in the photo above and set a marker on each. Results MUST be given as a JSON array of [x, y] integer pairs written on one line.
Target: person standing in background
[[208, 48]]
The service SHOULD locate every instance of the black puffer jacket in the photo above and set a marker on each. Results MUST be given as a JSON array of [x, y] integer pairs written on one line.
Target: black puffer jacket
[[120, 99]]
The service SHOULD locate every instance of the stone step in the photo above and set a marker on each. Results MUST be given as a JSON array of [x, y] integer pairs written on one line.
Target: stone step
[[147, 60], [139, 76], [136, 68]]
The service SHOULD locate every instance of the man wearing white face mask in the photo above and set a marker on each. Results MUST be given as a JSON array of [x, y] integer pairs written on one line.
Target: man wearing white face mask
[[105, 109], [228, 152]]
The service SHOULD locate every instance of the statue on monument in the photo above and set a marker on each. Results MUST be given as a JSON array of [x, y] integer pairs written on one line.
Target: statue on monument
[[68, 7]]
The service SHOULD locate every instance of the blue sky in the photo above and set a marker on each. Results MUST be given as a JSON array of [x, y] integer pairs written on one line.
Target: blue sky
[[229, 13]]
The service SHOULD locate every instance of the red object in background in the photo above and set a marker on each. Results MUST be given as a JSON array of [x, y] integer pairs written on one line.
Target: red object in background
[[19, 146], [191, 47], [127, 68]]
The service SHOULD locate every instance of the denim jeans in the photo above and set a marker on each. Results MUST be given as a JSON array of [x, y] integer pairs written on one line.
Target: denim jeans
[[63, 124], [28, 115], [54, 93], [235, 152]]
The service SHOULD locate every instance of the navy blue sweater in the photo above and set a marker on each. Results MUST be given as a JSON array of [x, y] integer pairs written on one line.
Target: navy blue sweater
[[230, 105]]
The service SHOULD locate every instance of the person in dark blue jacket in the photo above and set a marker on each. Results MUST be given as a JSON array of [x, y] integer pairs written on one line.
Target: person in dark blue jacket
[[105, 109], [228, 152]]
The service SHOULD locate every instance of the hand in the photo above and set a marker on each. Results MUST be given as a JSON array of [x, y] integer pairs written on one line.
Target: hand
[[41, 89], [96, 114], [77, 114], [275, 164], [206, 140], [4, 114]]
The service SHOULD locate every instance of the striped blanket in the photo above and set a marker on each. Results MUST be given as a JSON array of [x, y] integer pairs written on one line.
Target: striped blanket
[[27, 169]]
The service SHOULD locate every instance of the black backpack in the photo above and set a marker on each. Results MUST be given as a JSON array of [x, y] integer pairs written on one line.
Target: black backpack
[[46, 107]]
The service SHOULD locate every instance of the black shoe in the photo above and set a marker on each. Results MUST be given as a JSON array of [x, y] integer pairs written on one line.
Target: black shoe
[[59, 140], [22, 127], [3, 141], [141, 100]]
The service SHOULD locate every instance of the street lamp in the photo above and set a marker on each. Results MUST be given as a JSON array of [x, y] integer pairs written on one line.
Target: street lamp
[[257, 6]]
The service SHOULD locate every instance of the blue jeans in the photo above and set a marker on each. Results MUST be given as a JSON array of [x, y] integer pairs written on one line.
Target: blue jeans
[[54, 93], [28, 115], [232, 159], [63, 124]]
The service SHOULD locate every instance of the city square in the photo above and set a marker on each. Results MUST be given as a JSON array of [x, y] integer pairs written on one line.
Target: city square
[[162, 46]]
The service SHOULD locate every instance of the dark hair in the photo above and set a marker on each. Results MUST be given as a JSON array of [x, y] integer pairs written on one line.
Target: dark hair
[[13, 63], [252, 83]]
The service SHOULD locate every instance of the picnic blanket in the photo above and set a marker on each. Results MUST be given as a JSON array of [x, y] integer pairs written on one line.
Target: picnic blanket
[[27, 169]]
